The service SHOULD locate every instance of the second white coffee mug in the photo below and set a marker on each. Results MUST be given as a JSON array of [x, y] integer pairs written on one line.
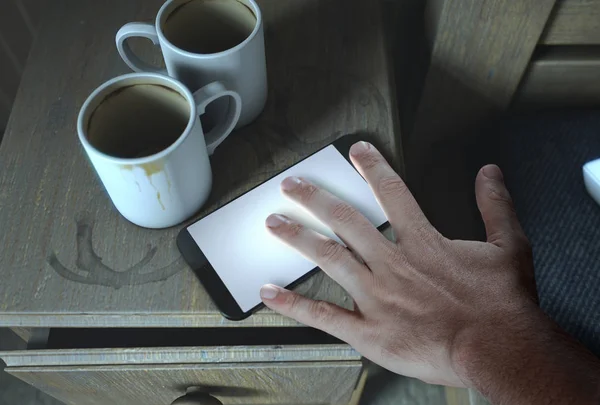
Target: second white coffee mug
[[207, 40], [143, 136]]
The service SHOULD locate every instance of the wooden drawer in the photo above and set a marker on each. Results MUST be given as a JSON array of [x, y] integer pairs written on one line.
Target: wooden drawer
[[562, 77], [320, 374], [573, 22]]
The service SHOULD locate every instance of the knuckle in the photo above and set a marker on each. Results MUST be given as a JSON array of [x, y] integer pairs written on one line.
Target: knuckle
[[320, 311], [369, 160], [307, 193], [293, 230], [294, 303], [501, 196], [331, 251], [393, 186], [344, 213]]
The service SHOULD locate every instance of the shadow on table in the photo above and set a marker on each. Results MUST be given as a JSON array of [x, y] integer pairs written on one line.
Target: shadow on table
[[12, 390], [318, 86], [386, 388]]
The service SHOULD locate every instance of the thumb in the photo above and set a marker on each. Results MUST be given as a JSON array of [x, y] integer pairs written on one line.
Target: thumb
[[497, 210]]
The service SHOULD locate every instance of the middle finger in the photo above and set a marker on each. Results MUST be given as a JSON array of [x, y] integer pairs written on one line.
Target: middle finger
[[344, 220]]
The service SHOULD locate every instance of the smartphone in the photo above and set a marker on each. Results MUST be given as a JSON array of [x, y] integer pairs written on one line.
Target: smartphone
[[234, 255]]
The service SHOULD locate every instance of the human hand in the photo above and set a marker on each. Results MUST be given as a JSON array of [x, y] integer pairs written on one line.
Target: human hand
[[418, 299]]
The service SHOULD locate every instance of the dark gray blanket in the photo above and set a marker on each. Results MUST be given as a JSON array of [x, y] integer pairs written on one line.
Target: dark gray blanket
[[542, 156]]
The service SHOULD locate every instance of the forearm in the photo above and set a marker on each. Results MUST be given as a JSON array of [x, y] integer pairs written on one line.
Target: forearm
[[530, 362]]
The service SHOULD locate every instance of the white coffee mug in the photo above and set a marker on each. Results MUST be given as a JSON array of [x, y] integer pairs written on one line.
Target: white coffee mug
[[143, 136], [204, 41]]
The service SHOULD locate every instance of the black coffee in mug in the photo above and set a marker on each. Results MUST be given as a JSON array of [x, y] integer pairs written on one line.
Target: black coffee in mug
[[137, 121], [209, 26], [208, 41]]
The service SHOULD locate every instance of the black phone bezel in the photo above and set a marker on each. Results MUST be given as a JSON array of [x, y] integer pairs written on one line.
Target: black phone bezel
[[210, 279]]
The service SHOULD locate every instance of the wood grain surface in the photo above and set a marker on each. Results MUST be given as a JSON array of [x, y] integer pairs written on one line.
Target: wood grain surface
[[179, 355], [573, 22], [327, 79], [313, 374], [255, 383], [562, 77], [386, 388], [479, 54]]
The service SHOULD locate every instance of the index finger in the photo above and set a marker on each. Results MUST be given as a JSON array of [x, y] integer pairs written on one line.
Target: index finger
[[329, 318], [396, 200]]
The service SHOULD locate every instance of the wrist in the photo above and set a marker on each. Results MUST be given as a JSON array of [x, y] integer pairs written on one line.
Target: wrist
[[525, 358], [492, 338]]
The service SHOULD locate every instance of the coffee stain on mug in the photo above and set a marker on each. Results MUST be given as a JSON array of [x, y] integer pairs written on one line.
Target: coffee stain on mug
[[150, 169], [92, 271], [160, 201]]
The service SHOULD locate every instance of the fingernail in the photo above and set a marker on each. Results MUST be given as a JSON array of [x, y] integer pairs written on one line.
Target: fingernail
[[493, 172], [269, 292], [359, 148], [290, 183], [276, 220]]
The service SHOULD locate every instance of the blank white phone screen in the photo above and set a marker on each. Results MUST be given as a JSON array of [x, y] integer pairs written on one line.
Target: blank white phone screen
[[247, 256]]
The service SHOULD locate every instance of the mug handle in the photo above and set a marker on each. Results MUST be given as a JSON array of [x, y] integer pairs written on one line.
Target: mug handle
[[137, 29], [221, 131]]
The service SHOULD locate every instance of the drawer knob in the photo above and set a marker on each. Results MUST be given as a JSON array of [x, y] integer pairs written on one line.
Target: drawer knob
[[196, 396]]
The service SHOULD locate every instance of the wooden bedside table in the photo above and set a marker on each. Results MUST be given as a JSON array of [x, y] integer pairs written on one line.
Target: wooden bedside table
[[122, 318]]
